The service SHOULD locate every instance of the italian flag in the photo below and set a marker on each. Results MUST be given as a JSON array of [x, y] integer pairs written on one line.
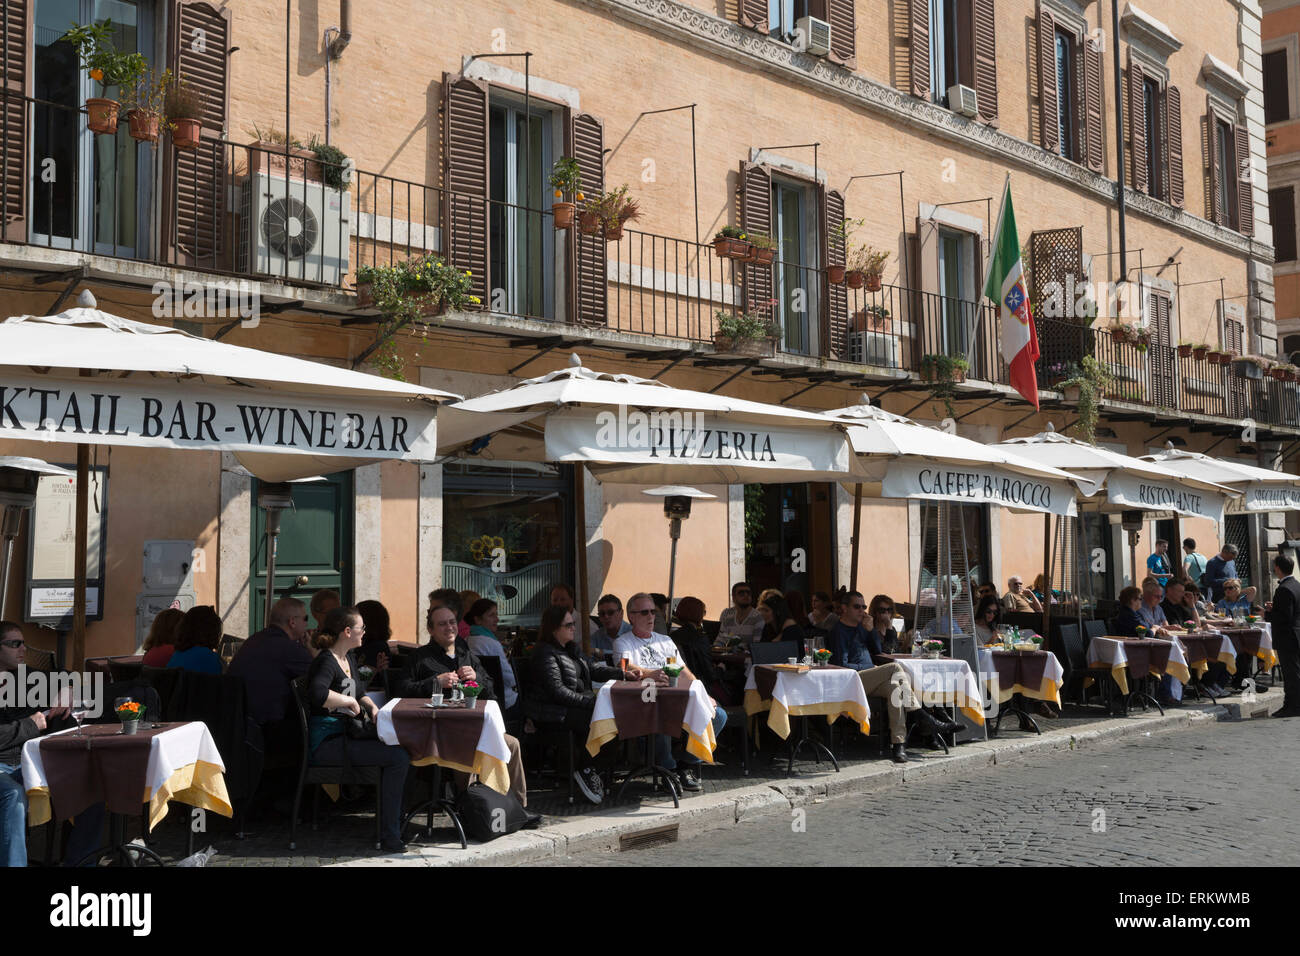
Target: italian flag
[[1005, 285]]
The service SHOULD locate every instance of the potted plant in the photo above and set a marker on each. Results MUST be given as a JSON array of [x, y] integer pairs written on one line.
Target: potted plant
[[874, 318], [944, 372], [870, 263], [764, 248], [823, 656], [1185, 349], [744, 333], [932, 649], [129, 713], [335, 166], [566, 180], [672, 670], [732, 242], [840, 239], [471, 690], [607, 213], [1219, 357], [1199, 350], [106, 66], [1249, 366], [1277, 373], [266, 154], [183, 105], [145, 100], [1085, 389]]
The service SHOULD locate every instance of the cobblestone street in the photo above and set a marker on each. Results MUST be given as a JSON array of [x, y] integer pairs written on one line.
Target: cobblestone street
[[1216, 795]]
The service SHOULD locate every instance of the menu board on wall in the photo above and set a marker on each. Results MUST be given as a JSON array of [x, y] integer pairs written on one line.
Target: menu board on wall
[[51, 550]]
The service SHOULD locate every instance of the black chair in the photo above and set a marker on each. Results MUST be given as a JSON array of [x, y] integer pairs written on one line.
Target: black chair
[[492, 665], [1076, 663], [1095, 629], [337, 774], [120, 669], [776, 652]]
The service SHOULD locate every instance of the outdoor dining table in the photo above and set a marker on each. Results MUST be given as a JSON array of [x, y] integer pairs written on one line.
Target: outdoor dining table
[[943, 682], [67, 772], [1037, 675], [471, 740], [790, 690], [1139, 657], [1253, 639], [641, 709], [1205, 647]]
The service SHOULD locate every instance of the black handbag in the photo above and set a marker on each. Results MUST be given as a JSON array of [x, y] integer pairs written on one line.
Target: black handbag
[[486, 814]]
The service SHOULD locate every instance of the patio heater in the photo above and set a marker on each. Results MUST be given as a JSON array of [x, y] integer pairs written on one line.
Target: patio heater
[[17, 495], [677, 507], [1131, 521], [274, 497]]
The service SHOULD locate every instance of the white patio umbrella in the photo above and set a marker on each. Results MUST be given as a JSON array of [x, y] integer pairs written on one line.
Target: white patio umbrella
[[92, 378], [1261, 489]]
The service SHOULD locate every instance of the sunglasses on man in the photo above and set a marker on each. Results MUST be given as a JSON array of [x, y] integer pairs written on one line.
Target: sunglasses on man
[[16, 643]]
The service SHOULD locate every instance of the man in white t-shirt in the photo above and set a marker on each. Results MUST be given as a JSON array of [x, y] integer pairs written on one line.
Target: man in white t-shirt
[[650, 651]]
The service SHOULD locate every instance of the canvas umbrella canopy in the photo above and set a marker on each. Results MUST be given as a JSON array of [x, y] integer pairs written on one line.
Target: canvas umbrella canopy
[[1261, 489], [635, 430], [91, 378]]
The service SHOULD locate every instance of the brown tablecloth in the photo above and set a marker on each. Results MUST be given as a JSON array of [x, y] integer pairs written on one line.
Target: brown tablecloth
[[448, 734], [637, 716], [103, 765], [1244, 639], [1201, 647], [1146, 656], [1020, 667]]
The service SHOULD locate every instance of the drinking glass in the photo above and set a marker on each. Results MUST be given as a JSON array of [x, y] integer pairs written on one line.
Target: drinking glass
[[436, 699], [79, 711]]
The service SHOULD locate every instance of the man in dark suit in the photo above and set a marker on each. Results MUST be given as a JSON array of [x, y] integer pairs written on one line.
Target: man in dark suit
[[1284, 615]]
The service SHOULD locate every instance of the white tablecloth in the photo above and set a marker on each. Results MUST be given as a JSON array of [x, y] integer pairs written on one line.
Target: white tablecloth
[[829, 691], [1052, 670], [491, 744], [1109, 652], [184, 764], [945, 681], [697, 721]]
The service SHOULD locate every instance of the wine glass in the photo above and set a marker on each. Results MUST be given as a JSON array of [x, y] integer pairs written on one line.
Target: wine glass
[[80, 708]]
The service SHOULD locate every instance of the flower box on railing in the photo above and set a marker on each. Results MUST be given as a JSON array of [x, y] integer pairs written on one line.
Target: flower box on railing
[[759, 348], [725, 247], [269, 158]]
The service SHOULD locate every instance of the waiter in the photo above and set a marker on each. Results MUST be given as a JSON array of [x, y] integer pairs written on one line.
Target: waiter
[[1284, 615]]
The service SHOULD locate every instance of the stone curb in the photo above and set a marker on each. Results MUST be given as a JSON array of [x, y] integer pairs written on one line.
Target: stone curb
[[709, 811]]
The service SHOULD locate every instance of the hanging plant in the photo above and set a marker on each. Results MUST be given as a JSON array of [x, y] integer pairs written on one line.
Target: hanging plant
[[763, 248], [732, 242], [943, 372], [1086, 389], [409, 293]]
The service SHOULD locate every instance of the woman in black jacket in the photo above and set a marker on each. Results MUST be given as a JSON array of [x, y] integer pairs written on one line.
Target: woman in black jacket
[[335, 701], [561, 692]]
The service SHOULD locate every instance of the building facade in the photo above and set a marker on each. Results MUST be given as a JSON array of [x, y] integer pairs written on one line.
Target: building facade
[[826, 125]]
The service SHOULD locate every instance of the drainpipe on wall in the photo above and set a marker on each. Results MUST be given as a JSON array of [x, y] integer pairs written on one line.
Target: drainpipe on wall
[[334, 47]]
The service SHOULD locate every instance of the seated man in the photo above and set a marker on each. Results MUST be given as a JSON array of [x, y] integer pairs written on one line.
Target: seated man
[[649, 651], [272, 659], [17, 726], [742, 620], [1152, 616], [852, 645], [1235, 600], [611, 627], [1179, 613], [446, 662], [1020, 598]]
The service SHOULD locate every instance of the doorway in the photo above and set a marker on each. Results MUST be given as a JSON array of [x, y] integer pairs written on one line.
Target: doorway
[[88, 192], [521, 151], [794, 226], [315, 542], [957, 288]]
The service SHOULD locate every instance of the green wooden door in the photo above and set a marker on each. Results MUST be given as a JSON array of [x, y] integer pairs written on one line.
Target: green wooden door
[[315, 542]]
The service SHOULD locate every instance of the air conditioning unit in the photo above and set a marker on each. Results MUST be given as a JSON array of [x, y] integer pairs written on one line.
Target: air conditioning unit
[[816, 35], [873, 348], [295, 229], [962, 99]]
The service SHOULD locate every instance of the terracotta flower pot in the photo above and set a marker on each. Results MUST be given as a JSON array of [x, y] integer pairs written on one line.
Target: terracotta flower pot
[[725, 247], [854, 279], [265, 157], [1220, 358], [101, 114], [563, 213], [186, 133], [763, 257], [874, 283], [764, 347], [614, 233], [1072, 393], [144, 125], [365, 295], [1199, 354], [835, 275], [1119, 335], [589, 224], [1277, 374], [1184, 351]]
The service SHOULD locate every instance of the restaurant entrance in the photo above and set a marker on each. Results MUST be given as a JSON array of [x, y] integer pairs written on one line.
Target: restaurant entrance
[[789, 537]]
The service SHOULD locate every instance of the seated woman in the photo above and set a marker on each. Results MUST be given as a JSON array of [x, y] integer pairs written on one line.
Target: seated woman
[[335, 699], [197, 638], [1127, 620], [482, 619], [694, 645], [562, 693], [160, 645], [822, 617], [374, 651], [1235, 600], [771, 632], [880, 621], [988, 614], [1040, 589], [780, 622]]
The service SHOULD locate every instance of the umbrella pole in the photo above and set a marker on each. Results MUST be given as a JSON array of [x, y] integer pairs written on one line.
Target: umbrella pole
[[1047, 577], [580, 611], [79, 559], [857, 527]]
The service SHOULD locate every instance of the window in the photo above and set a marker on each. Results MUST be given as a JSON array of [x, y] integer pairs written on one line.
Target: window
[[1226, 162], [957, 280], [794, 227], [1065, 94], [945, 63], [783, 16], [1281, 205], [1277, 93], [1151, 103]]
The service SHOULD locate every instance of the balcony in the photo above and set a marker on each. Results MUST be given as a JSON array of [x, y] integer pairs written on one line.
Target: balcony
[[261, 213]]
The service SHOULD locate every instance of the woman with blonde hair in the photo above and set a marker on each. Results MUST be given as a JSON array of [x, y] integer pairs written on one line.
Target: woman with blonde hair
[[161, 642]]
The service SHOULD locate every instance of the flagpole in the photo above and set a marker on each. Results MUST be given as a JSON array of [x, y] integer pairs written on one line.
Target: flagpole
[[1002, 208]]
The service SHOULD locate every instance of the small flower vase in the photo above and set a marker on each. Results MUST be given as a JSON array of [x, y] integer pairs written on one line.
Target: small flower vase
[[130, 726], [932, 655], [471, 699], [672, 680]]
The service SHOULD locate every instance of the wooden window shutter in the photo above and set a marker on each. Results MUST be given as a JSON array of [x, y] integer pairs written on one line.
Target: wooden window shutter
[[465, 178], [1281, 209], [833, 254], [1093, 71], [591, 287], [199, 50], [15, 22], [1233, 336], [1174, 143], [1047, 79], [841, 16], [1212, 167], [984, 28], [756, 214], [919, 55], [753, 14], [1244, 182], [1137, 126], [1161, 352]]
